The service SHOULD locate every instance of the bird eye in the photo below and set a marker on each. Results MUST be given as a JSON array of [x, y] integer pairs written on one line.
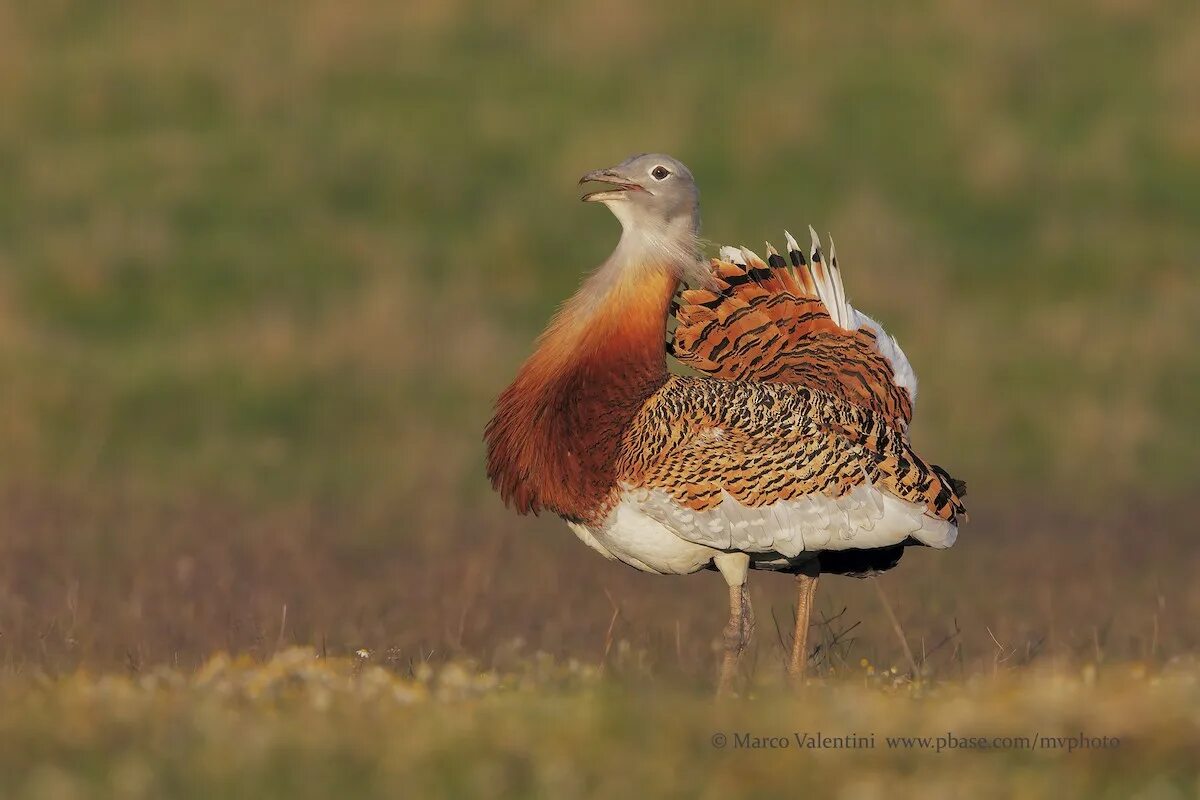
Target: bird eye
[[660, 173]]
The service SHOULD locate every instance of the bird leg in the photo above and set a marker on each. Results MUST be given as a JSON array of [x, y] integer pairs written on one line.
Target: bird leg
[[740, 628], [737, 634], [806, 589]]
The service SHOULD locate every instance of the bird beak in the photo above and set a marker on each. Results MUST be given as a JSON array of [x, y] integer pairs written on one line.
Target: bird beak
[[623, 184]]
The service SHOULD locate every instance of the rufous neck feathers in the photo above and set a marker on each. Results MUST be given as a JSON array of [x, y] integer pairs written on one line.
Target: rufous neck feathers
[[554, 440]]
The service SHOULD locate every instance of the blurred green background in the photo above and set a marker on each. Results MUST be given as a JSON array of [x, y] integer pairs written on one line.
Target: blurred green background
[[264, 267]]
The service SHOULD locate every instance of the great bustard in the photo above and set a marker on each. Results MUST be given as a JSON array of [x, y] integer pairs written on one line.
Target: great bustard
[[791, 455]]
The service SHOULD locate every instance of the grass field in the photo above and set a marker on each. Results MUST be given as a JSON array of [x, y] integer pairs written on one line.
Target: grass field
[[264, 268], [302, 726]]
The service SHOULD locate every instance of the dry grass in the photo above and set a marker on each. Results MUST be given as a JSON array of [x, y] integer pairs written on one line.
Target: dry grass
[[192, 578]]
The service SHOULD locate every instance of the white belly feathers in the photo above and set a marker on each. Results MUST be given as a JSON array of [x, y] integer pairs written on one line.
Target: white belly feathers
[[650, 531]]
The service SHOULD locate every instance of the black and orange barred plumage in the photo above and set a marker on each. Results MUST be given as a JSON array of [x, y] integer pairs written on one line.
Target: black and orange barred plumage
[[769, 323], [778, 443]]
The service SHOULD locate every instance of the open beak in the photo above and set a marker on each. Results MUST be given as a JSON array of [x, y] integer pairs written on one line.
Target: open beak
[[624, 186]]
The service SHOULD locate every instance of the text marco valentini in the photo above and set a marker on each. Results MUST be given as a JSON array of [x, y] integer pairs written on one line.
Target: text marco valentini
[[803, 740]]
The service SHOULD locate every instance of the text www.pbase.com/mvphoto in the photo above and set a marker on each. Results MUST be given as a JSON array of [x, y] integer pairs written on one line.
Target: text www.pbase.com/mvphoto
[[945, 742]]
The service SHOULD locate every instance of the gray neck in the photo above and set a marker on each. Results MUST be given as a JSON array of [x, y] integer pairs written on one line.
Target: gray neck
[[646, 245]]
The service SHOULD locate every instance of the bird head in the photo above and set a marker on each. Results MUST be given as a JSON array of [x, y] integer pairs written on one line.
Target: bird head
[[650, 190]]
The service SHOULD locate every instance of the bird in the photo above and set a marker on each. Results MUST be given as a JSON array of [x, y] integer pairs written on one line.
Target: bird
[[780, 442]]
